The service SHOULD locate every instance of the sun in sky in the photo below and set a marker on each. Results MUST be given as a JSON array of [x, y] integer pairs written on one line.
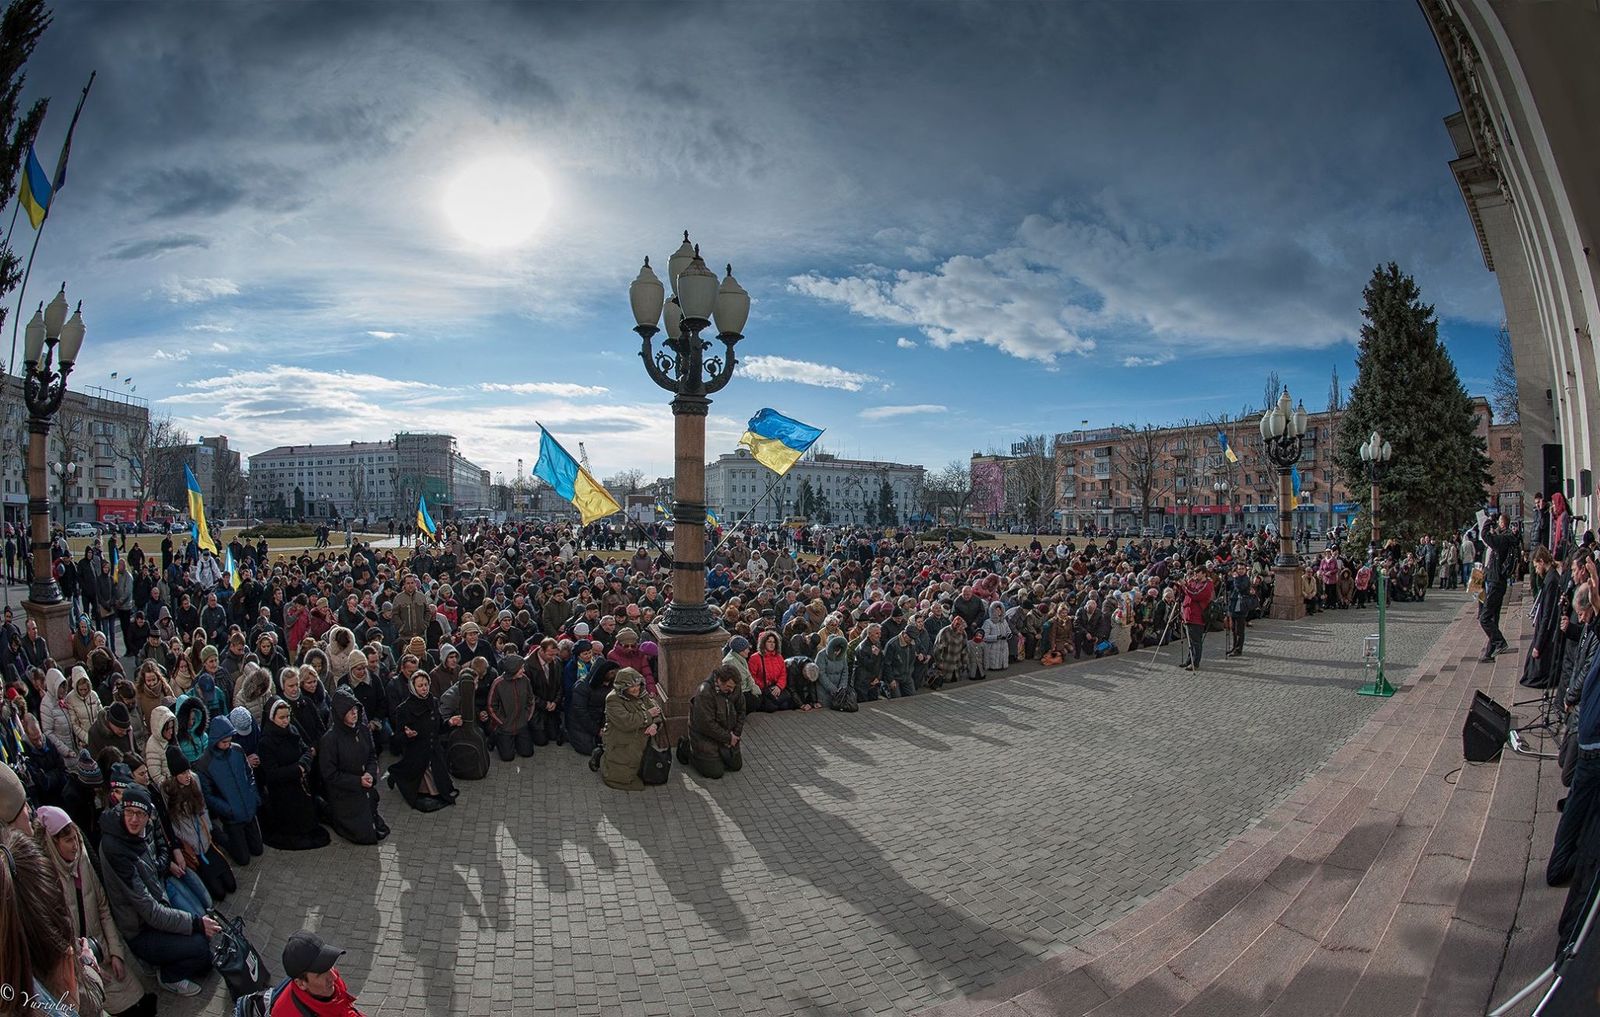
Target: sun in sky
[[497, 202]]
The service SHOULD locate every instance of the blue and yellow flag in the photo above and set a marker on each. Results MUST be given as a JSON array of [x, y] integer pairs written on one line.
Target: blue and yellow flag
[[711, 517], [776, 441], [571, 481], [197, 513], [36, 189], [425, 521], [663, 508], [1294, 486], [230, 569], [1227, 453]]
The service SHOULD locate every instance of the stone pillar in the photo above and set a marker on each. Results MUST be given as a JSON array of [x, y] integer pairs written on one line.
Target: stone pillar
[[1286, 570], [44, 604]]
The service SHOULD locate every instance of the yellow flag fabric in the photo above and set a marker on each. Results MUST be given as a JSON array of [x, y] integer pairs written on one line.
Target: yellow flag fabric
[[590, 499], [771, 452], [197, 513]]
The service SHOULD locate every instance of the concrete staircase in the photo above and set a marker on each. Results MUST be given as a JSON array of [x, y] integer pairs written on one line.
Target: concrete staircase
[[1389, 884]]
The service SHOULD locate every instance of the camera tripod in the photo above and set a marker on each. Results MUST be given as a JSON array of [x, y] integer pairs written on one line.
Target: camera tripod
[[1166, 633]]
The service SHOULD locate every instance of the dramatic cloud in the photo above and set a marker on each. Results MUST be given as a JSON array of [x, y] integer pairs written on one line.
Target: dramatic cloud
[[906, 344], [554, 388], [803, 372], [195, 291], [886, 412]]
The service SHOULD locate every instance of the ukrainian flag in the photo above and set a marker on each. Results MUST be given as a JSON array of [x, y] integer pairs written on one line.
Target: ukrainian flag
[[711, 517], [1227, 453], [197, 513], [776, 441], [425, 521], [663, 508], [557, 468], [36, 190], [1294, 485], [230, 569]]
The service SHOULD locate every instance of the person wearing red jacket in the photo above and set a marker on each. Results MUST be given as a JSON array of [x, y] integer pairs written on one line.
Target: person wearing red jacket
[[1198, 589], [314, 988], [770, 671]]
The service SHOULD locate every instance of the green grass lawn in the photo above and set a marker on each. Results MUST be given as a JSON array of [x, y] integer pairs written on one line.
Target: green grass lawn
[[151, 542]]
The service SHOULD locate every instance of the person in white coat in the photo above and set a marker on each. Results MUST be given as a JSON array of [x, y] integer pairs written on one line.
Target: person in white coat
[[996, 639]]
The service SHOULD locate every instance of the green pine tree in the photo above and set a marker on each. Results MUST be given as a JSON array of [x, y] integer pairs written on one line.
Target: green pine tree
[[886, 513], [1408, 390]]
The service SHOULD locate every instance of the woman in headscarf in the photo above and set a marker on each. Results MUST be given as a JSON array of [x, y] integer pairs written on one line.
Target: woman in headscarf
[[996, 638], [349, 770], [311, 719], [631, 720], [422, 773], [288, 812], [82, 640], [125, 995], [150, 690]]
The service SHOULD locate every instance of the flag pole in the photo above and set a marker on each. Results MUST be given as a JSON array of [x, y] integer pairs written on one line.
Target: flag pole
[[776, 480], [55, 185]]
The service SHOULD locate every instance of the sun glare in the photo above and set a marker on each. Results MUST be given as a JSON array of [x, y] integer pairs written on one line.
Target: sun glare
[[497, 202]]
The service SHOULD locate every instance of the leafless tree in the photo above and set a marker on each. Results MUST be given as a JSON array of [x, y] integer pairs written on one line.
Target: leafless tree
[[1030, 480], [1503, 389], [1270, 393], [1139, 463], [955, 484], [151, 449], [232, 483], [71, 430], [625, 482]]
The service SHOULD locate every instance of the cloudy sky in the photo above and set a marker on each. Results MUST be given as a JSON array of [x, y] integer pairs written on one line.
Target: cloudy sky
[[958, 222]]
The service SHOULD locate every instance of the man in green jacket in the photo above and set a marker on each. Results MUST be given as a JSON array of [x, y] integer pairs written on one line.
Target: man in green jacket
[[716, 722]]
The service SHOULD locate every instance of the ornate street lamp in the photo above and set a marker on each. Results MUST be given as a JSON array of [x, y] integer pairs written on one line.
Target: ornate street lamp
[[66, 473], [1376, 453], [1283, 430], [1221, 489], [691, 637], [48, 355]]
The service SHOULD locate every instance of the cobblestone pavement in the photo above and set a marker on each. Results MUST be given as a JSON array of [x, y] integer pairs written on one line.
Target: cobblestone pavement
[[870, 863]]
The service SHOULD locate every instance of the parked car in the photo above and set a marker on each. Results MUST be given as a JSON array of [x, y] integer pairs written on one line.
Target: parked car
[[81, 530]]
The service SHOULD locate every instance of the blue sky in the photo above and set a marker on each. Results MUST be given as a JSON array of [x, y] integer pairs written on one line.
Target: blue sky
[[958, 223]]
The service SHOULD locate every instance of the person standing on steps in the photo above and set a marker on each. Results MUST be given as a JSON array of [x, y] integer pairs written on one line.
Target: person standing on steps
[[1501, 545]]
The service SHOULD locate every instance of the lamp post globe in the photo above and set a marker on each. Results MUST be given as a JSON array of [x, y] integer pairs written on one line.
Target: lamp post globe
[[1283, 430]]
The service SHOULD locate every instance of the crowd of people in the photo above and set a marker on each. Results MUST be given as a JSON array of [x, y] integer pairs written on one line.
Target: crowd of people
[[197, 722]]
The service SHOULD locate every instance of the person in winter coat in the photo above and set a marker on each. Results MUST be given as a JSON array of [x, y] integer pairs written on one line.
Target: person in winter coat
[[866, 664], [113, 729], [252, 690], [770, 673], [230, 792], [547, 679], [55, 717], [191, 822], [631, 720], [174, 941], [288, 814], [738, 657], [308, 720], [716, 723], [374, 706], [1198, 591], [193, 720], [85, 897], [213, 687], [83, 707], [996, 639], [150, 691], [350, 772], [422, 773], [627, 653], [511, 708], [163, 729], [833, 669], [898, 658], [951, 656], [588, 715]]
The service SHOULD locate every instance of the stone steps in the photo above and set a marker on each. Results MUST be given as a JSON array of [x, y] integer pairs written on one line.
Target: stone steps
[[1388, 884]]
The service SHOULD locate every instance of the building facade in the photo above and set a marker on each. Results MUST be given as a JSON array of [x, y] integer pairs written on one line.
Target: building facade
[[842, 491], [1527, 158], [370, 480], [216, 469], [90, 455], [1104, 477]]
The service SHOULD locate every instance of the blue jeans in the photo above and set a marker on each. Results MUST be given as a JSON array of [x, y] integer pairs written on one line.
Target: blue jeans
[[188, 893], [176, 956]]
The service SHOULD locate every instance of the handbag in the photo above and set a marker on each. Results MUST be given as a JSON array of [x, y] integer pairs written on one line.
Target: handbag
[[238, 962], [844, 700], [656, 764], [1051, 659]]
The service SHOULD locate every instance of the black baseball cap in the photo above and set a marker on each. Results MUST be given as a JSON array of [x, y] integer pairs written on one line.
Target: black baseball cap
[[305, 953]]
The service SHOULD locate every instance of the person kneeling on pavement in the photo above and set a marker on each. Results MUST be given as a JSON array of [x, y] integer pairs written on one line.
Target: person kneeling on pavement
[[716, 722]]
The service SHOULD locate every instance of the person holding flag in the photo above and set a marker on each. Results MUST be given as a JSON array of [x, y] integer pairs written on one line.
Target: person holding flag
[[425, 523]]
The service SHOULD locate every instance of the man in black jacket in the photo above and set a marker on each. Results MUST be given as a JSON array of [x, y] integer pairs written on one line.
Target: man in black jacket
[[1501, 543]]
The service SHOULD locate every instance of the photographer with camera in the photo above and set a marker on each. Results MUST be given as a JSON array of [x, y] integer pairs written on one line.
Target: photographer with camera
[[1241, 605], [1198, 588]]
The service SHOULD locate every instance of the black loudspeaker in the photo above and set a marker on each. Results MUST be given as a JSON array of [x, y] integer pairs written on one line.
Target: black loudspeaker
[[1552, 469], [1486, 729], [1585, 483]]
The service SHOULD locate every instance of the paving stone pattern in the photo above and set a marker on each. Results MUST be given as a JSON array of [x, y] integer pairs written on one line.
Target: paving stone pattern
[[875, 863]]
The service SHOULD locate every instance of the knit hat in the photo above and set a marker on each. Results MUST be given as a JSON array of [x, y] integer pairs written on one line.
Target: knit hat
[[52, 819], [626, 678], [649, 649], [117, 713], [627, 635], [357, 658], [119, 777], [738, 644], [580, 629], [136, 796], [417, 647], [510, 664], [12, 795], [208, 652], [221, 727], [177, 762], [241, 720], [469, 627], [88, 771]]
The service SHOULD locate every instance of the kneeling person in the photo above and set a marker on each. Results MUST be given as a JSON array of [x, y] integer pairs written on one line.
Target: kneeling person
[[716, 719]]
